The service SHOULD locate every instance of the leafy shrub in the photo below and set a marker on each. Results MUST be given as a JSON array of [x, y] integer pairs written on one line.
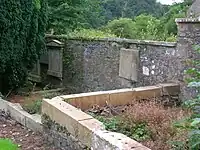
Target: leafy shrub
[[147, 27], [171, 38], [122, 27], [7, 144], [90, 34], [143, 27], [22, 28]]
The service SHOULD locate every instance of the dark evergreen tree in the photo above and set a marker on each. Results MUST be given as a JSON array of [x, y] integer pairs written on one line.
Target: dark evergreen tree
[[22, 29]]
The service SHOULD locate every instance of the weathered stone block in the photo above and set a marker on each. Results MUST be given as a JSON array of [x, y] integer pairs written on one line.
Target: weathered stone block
[[64, 114], [170, 89], [129, 64], [33, 122], [87, 100], [106, 140], [3, 105], [148, 92], [121, 97], [17, 113], [86, 129]]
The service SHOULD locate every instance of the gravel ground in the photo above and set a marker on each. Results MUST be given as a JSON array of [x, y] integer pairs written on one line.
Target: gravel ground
[[25, 138]]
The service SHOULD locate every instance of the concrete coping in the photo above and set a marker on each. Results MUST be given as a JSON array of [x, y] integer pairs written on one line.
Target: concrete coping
[[187, 20], [118, 97], [118, 40], [90, 131]]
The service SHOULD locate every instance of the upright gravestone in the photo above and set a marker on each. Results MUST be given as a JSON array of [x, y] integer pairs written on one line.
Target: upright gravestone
[[55, 54], [194, 10], [35, 74], [129, 64]]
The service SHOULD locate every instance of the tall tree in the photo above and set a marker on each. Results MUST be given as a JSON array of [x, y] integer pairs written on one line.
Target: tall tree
[[132, 8], [67, 15], [22, 28]]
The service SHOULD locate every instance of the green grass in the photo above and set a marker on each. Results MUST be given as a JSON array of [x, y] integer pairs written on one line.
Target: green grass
[[7, 144]]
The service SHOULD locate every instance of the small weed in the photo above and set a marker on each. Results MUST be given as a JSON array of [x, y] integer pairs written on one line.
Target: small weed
[[7, 144], [33, 107]]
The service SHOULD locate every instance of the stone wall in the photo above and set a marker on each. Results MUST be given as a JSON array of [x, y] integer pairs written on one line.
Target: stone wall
[[188, 36], [94, 64]]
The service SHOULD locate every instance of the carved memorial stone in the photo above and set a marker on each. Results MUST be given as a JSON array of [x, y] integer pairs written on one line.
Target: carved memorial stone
[[129, 64], [55, 58]]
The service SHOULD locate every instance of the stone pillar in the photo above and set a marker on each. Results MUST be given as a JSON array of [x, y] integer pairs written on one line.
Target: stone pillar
[[188, 36]]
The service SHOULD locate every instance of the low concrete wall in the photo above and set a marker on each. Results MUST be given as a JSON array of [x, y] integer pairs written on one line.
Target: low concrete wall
[[70, 128], [16, 112]]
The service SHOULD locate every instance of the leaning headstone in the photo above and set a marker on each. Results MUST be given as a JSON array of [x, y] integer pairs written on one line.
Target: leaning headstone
[[194, 10]]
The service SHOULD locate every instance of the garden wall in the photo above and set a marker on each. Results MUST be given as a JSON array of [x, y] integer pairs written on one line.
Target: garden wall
[[95, 64], [105, 64]]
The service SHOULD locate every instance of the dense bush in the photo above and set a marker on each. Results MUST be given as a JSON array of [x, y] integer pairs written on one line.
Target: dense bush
[[143, 27], [22, 28], [122, 27], [90, 34]]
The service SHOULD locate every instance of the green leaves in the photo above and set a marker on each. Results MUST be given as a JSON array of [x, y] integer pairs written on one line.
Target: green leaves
[[137, 131], [21, 40], [7, 144], [195, 123], [37, 4]]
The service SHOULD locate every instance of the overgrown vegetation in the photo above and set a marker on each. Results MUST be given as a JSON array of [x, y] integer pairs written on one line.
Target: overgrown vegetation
[[33, 107], [7, 144], [138, 19], [22, 28], [149, 123], [192, 124], [90, 34], [137, 131]]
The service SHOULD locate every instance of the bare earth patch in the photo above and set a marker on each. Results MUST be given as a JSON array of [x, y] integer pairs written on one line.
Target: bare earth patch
[[25, 138]]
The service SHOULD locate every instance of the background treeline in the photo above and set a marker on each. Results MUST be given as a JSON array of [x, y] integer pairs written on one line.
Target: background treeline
[[136, 19]]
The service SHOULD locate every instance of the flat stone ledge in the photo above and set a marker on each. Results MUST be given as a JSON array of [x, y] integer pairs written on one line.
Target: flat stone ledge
[[16, 112], [119, 97], [106, 140], [118, 40], [187, 20]]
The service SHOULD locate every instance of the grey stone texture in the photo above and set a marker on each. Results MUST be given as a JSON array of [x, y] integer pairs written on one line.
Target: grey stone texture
[[194, 10], [59, 136], [188, 37], [15, 111], [94, 65]]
